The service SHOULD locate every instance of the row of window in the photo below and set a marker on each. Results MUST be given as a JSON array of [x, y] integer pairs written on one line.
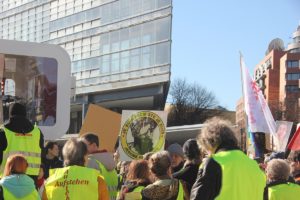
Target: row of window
[[120, 40], [293, 76], [292, 63], [292, 88], [119, 77], [108, 12], [75, 29], [125, 61], [8, 4]]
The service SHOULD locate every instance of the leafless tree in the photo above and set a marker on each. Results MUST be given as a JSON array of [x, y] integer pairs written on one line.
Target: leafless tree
[[191, 103]]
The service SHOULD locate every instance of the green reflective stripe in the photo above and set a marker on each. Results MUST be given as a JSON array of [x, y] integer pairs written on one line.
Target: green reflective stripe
[[34, 165], [31, 154]]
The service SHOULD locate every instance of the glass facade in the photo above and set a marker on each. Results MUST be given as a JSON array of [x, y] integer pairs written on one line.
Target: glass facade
[[107, 40], [113, 44]]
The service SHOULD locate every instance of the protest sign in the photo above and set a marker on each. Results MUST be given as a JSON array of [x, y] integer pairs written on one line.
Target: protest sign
[[141, 132], [104, 123]]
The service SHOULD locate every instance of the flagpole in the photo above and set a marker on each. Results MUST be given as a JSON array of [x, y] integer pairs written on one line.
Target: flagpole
[[246, 117]]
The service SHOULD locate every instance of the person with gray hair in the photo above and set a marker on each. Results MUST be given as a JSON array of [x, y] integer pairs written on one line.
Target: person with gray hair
[[228, 173], [165, 187], [278, 187], [75, 181]]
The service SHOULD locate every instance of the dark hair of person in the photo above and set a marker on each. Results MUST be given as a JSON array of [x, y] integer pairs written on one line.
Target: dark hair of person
[[74, 152], [295, 157], [49, 145], [191, 149], [91, 138], [138, 171]]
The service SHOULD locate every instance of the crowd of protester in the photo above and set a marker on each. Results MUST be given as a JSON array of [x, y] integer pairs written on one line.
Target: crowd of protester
[[209, 167]]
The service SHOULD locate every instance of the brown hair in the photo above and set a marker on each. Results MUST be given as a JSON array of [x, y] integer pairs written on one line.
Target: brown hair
[[217, 132], [139, 171], [160, 163], [16, 164]]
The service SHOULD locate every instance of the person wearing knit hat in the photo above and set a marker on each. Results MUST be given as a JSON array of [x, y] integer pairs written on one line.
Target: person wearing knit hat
[[12, 137], [177, 157], [189, 172]]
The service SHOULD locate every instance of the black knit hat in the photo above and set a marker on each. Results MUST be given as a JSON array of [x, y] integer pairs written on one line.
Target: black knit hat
[[191, 149], [17, 109]]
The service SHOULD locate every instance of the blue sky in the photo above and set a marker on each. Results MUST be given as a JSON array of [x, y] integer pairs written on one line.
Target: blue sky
[[207, 36]]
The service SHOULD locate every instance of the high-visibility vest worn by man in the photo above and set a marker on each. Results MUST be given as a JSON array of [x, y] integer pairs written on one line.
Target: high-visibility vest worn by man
[[231, 175], [74, 183], [20, 136], [102, 161], [111, 179]]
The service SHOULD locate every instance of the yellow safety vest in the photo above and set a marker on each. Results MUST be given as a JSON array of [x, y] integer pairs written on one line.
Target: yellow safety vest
[[26, 144], [73, 183], [135, 194], [111, 179], [288, 191], [241, 177], [31, 196], [180, 195]]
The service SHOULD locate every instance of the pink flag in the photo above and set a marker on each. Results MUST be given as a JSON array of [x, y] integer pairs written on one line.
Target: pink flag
[[260, 118]]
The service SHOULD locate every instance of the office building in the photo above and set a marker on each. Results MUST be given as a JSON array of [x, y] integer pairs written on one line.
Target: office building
[[120, 49]]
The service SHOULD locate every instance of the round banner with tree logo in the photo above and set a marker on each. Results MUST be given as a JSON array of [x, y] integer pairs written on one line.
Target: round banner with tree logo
[[141, 132]]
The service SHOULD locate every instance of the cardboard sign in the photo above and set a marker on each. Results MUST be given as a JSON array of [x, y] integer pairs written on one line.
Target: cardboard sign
[[141, 132], [104, 123]]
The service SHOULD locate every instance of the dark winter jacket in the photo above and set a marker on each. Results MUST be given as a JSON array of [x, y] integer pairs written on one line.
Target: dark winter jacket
[[50, 164], [188, 174]]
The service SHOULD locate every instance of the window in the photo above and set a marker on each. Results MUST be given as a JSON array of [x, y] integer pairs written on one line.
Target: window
[[124, 38], [135, 58], [114, 39], [292, 63], [292, 88], [146, 57], [162, 53], [293, 76], [163, 29], [115, 62], [104, 43], [135, 36], [105, 64], [125, 61], [148, 33]]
